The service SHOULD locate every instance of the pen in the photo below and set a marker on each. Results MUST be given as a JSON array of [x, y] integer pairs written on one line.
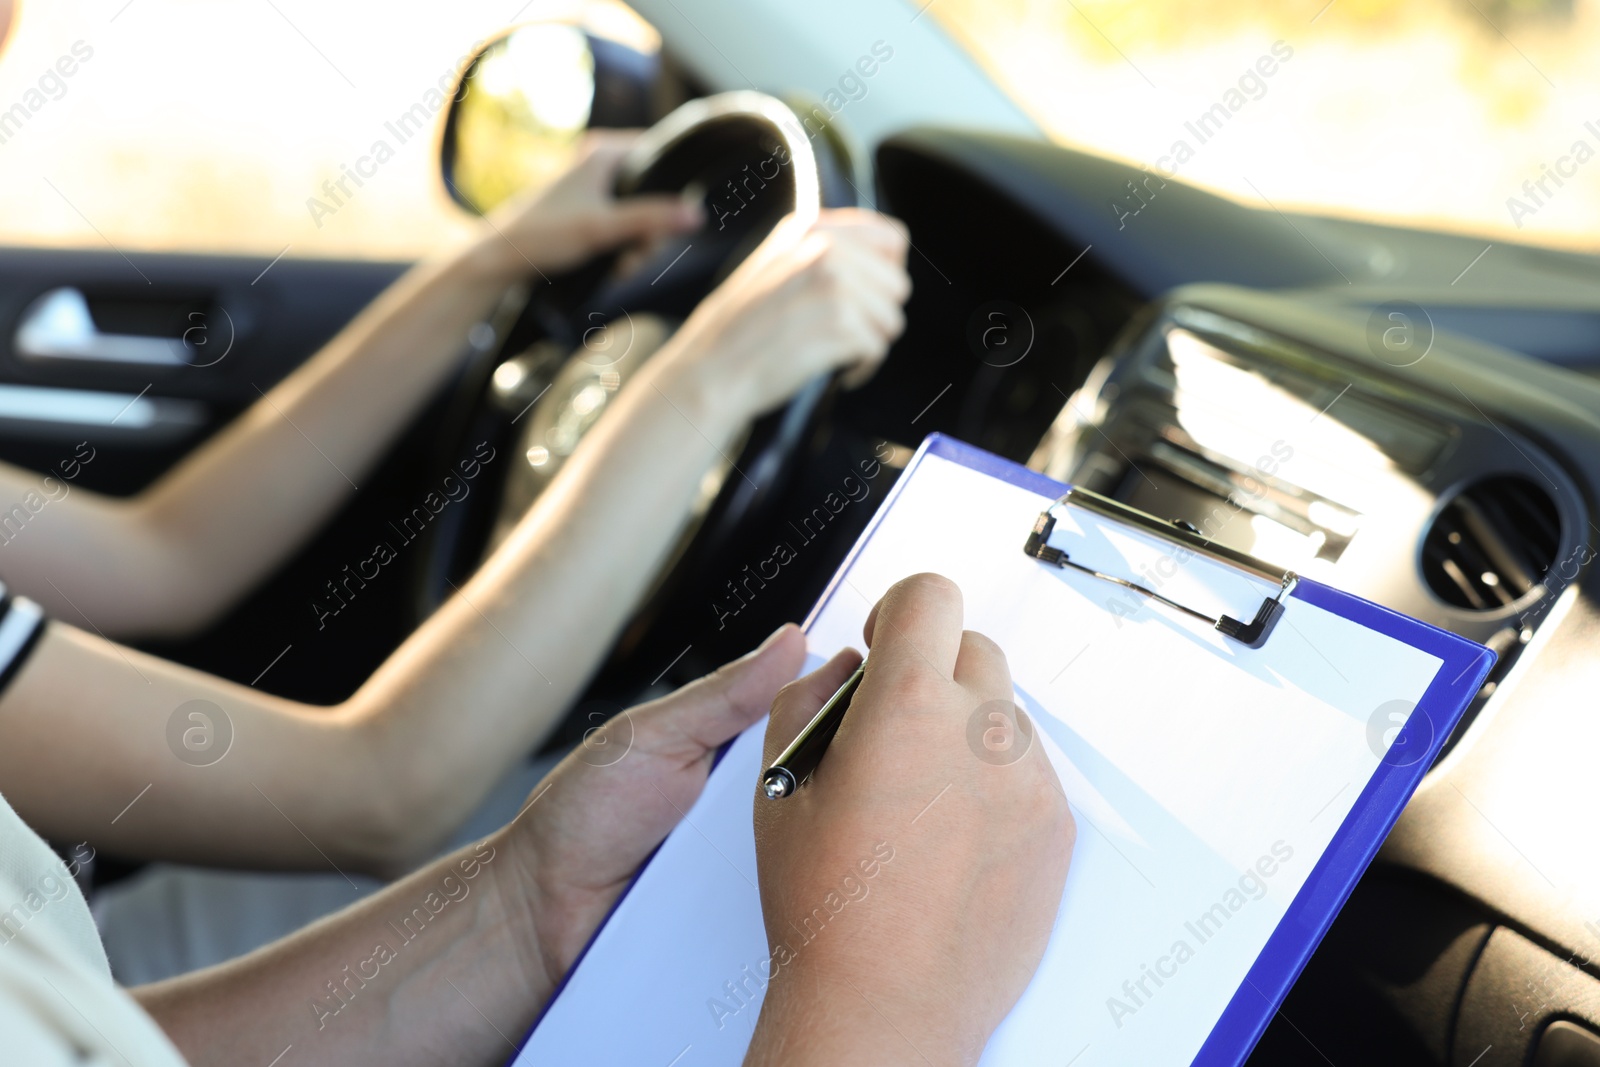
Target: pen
[[795, 763]]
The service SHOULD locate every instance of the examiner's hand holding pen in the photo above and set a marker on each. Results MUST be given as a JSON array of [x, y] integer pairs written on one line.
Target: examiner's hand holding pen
[[952, 865]]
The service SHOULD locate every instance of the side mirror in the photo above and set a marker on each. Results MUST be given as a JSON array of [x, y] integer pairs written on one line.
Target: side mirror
[[525, 100]]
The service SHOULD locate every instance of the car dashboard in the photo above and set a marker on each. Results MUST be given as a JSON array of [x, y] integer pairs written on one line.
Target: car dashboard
[[1308, 390]]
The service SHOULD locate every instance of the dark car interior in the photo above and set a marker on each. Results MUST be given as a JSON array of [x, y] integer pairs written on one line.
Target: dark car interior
[[1446, 453]]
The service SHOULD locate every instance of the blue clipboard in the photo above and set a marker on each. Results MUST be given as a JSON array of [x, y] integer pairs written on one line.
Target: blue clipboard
[[1356, 843], [1353, 845]]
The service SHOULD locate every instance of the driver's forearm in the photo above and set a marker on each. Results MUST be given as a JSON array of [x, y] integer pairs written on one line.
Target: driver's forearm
[[490, 673], [442, 967], [379, 782], [174, 557], [145, 758]]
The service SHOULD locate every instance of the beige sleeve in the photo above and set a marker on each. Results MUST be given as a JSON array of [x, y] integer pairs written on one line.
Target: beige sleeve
[[54, 1009], [58, 1004]]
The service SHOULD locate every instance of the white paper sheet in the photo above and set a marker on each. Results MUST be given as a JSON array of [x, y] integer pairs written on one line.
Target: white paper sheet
[[1206, 780]]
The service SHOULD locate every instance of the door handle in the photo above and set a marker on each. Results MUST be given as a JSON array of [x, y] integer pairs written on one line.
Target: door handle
[[58, 326]]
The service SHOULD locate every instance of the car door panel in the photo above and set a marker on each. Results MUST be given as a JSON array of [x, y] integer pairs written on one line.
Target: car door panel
[[146, 354]]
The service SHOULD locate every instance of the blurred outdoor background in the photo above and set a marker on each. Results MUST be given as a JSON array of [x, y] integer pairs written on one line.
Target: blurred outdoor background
[[206, 126], [1431, 112]]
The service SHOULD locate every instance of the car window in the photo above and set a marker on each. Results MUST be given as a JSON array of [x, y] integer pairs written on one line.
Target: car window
[[137, 124], [1475, 116]]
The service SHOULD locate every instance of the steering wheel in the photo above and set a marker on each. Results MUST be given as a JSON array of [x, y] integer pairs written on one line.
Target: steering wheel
[[571, 345]]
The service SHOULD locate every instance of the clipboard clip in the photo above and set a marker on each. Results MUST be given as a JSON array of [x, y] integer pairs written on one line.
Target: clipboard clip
[[1252, 634]]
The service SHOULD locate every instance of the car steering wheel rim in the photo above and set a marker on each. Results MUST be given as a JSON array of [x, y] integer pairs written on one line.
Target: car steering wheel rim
[[661, 160], [655, 143]]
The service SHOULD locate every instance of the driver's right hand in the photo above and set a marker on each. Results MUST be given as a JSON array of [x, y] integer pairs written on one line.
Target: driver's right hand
[[809, 300]]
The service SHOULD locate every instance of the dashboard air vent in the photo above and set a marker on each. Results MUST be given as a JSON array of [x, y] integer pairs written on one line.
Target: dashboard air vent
[[1492, 543]]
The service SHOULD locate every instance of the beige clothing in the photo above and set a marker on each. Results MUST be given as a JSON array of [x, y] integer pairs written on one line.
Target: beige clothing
[[58, 1004]]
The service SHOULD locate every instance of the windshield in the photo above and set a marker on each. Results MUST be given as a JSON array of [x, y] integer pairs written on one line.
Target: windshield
[[1468, 115]]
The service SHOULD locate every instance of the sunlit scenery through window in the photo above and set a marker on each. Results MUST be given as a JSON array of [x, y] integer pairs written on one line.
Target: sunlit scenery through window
[[168, 137], [1458, 114], [1474, 116]]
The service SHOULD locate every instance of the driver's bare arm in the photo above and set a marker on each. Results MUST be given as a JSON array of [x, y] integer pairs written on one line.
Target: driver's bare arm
[[957, 923], [177, 555], [385, 777]]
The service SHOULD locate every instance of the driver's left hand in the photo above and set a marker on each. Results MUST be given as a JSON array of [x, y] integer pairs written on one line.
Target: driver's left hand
[[575, 218]]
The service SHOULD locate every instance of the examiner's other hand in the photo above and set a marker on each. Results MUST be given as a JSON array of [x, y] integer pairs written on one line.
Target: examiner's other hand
[[575, 218], [589, 825], [808, 300], [916, 957]]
